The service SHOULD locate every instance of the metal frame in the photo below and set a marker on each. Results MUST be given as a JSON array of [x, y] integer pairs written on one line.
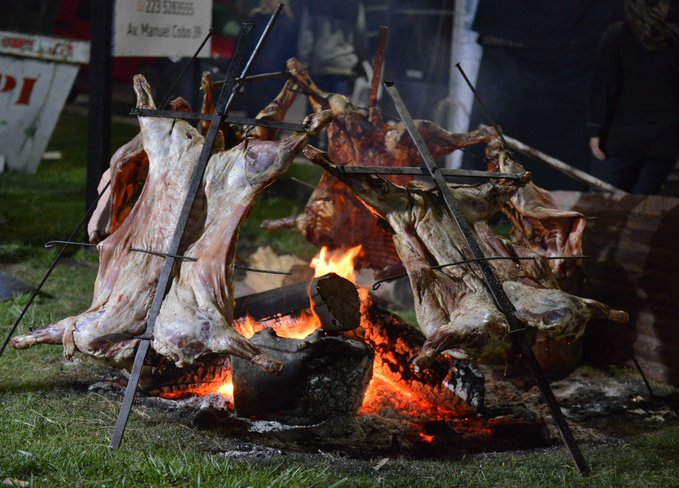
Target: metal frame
[[497, 292], [224, 103]]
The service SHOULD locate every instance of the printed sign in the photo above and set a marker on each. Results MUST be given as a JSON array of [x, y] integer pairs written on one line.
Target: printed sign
[[43, 47], [33, 92], [161, 28]]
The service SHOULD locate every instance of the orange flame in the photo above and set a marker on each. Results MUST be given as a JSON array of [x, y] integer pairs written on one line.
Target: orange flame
[[225, 389], [427, 438], [338, 262]]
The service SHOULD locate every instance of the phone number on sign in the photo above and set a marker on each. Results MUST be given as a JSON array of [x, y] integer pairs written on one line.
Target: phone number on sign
[[167, 7]]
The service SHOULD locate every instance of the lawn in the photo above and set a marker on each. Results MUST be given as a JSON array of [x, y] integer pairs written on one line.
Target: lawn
[[55, 430]]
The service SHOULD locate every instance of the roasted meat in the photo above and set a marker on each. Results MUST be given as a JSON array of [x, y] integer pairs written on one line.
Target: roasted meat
[[126, 281], [538, 222], [127, 173], [333, 216], [454, 308], [129, 165], [201, 297], [195, 318]]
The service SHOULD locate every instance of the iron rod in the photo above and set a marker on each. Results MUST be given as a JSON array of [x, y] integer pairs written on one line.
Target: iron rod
[[225, 96], [377, 72], [224, 102], [378, 283], [50, 244], [260, 77], [494, 287], [483, 105], [422, 171], [167, 96], [142, 112], [51, 268]]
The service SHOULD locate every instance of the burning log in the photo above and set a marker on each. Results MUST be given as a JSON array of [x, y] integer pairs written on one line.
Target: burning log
[[448, 389], [322, 377], [333, 298]]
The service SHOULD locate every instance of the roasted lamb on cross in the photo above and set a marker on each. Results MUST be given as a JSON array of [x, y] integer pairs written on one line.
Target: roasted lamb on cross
[[195, 318], [454, 308], [201, 298], [333, 215], [126, 281], [121, 184]]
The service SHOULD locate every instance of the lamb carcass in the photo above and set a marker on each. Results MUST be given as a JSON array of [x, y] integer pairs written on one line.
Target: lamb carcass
[[453, 306], [129, 165], [195, 318], [126, 280], [538, 222], [122, 183], [333, 216]]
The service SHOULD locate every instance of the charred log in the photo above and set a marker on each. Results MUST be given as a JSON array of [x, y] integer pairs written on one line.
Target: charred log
[[333, 298], [322, 377]]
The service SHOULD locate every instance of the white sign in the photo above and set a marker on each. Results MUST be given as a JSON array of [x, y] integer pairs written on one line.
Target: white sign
[[32, 94], [161, 28], [43, 47]]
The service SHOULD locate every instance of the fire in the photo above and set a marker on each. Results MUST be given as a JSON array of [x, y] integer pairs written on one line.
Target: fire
[[387, 391], [338, 262], [427, 438], [225, 388]]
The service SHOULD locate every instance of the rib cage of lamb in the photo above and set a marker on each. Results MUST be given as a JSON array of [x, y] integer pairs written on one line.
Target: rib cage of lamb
[[453, 306]]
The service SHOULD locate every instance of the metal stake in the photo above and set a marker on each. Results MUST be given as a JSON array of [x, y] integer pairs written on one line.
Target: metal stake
[[495, 288], [165, 275], [144, 112], [166, 99], [224, 102]]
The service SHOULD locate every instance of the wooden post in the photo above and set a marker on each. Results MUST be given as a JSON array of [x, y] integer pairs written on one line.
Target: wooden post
[[99, 109]]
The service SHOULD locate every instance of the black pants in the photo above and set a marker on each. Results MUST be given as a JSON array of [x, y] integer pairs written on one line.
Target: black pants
[[638, 166], [538, 96]]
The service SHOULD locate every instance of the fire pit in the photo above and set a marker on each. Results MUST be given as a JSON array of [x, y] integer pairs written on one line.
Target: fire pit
[[343, 387]]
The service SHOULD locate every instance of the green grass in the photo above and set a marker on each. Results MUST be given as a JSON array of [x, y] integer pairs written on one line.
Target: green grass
[[55, 432]]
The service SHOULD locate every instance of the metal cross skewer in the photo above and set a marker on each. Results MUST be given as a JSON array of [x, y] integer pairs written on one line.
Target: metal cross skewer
[[483, 105], [224, 102], [144, 112], [378, 283], [49, 244], [166, 99], [422, 171], [494, 286]]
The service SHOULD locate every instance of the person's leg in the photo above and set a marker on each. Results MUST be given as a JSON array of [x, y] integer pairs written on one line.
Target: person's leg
[[621, 172], [658, 156], [653, 174]]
